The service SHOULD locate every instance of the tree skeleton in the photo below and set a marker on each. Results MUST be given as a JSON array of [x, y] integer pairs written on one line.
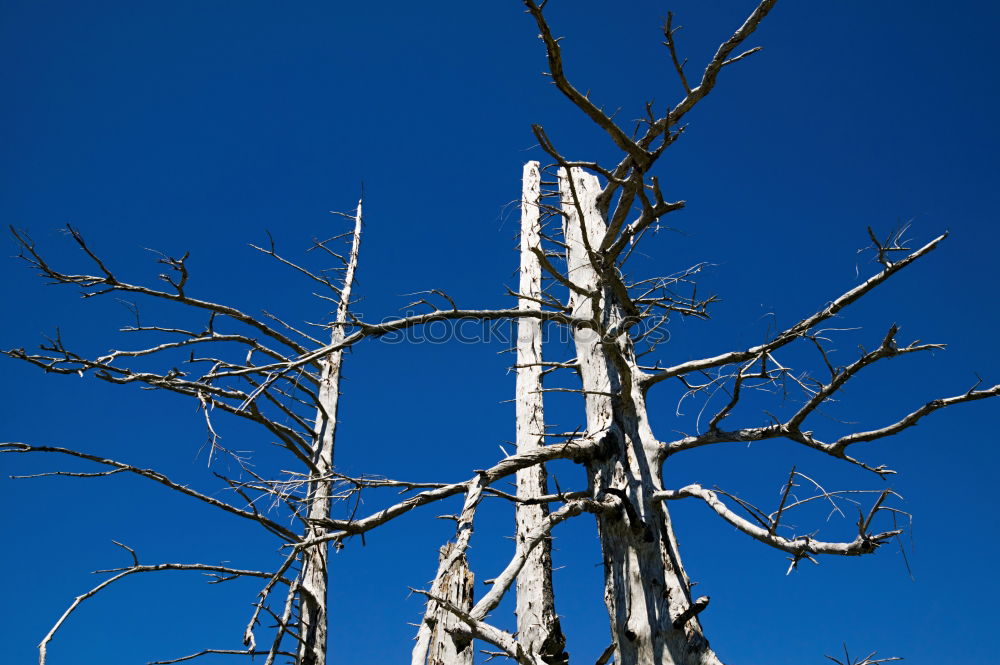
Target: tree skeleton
[[578, 229]]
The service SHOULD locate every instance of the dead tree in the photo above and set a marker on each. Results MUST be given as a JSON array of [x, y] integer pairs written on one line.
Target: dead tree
[[537, 622], [314, 569], [242, 388], [573, 274]]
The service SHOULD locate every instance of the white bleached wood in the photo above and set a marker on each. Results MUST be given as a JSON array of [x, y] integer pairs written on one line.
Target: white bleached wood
[[313, 591], [538, 626], [646, 588], [435, 642], [800, 545], [442, 638], [540, 534]]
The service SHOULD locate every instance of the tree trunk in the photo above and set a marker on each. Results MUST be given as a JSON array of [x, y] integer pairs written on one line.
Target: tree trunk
[[314, 576], [538, 627], [646, 588], [454, 584], [442, 638]]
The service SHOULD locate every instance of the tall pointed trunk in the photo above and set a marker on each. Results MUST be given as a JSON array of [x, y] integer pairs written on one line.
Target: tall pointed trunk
[[314, 575], [537, 624], [646, 588]]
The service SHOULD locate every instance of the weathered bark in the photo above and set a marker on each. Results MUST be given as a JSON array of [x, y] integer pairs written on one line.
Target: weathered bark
[[538, 627], [646, 588], [438, 643], [314, 576], [443, 639]]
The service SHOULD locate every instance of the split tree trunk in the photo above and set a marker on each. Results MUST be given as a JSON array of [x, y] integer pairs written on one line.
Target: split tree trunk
[[441, 638], [313, 617], [646, 588], [538, 627], [436, 642]]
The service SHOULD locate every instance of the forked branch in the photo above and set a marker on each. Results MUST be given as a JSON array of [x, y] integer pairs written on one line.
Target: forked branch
[[800, 546], [158, 477], [139, 568], [798, 330]]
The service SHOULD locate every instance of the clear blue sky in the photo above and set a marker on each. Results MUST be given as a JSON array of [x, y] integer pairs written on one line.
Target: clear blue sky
[[197, 125]]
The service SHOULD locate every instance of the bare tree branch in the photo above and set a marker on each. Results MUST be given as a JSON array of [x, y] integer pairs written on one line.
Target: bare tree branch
[[206, 652], [836, 448], [484, 631], [799, 329], [270, 525], [575, 449], [800, 546], [554, 55], [503, 581], [137, 568], [96, 285]]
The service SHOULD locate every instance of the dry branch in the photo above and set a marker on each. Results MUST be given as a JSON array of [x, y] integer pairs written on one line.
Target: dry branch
[[800, 546], [137, 568], [270, 525]]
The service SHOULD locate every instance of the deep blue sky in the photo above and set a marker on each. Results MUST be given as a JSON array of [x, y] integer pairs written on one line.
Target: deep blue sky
[[198, 125]]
